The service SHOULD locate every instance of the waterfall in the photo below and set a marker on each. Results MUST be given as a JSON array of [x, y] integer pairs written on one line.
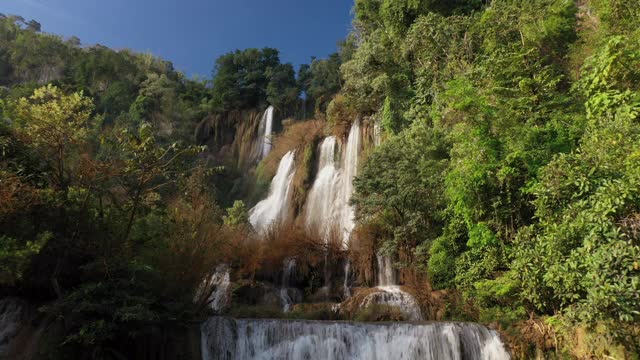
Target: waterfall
[[275, 208], [228, 339], [265, 133], [321, 213], [350, 169], [389, 293], [386, 272], [394, 296], [327, 207]]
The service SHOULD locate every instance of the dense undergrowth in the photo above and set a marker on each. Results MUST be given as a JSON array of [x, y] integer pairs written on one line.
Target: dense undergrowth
[[511, 172]]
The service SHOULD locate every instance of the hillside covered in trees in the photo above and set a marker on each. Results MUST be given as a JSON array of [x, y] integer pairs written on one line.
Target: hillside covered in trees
[[485, 155]]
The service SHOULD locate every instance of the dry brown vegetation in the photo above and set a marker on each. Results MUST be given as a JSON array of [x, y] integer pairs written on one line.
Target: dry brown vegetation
[[192, 251], [295, 137], [15, 194], [362, 252], [289, 241]]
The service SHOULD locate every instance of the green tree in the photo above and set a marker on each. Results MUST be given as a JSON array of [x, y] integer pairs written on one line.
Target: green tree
[[237, 215], [56, 125], [241, 79]]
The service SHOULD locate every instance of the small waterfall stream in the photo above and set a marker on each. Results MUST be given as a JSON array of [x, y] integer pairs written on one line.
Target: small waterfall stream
[[275, 208], [390, 293], [386, 273], [228, 339], [265, 134]]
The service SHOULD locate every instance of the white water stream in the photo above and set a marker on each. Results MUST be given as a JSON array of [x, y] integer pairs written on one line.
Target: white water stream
[[327, 208], [275, 208], [265, 134]]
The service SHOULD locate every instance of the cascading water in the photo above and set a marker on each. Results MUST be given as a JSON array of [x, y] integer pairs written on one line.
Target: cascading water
[[394, 296], [321, 213], [327, 209], [350, 170], [265, 133], [389, 293], [327, 206], [275, 208], [224, 338], [386, 272]]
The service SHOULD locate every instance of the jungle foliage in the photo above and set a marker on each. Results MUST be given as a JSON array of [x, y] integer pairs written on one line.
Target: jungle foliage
[[511, 174]]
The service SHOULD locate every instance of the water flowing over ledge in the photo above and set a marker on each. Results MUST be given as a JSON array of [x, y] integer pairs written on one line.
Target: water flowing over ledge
[[327, 206], [265, 133], [275, 207], [229, 339]]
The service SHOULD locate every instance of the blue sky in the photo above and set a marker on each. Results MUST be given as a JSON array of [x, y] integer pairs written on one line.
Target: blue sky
[[193, 33]]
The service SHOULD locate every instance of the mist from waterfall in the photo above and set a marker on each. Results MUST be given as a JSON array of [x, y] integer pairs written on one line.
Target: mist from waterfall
[[224, 338], [327, 207], [275, 208]]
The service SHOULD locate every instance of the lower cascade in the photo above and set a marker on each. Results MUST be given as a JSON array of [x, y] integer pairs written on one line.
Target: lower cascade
[[229, 339]]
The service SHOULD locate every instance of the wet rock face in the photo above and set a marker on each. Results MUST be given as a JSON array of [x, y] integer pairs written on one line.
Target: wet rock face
[[396, 297], [13, 313], [392, 296]]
